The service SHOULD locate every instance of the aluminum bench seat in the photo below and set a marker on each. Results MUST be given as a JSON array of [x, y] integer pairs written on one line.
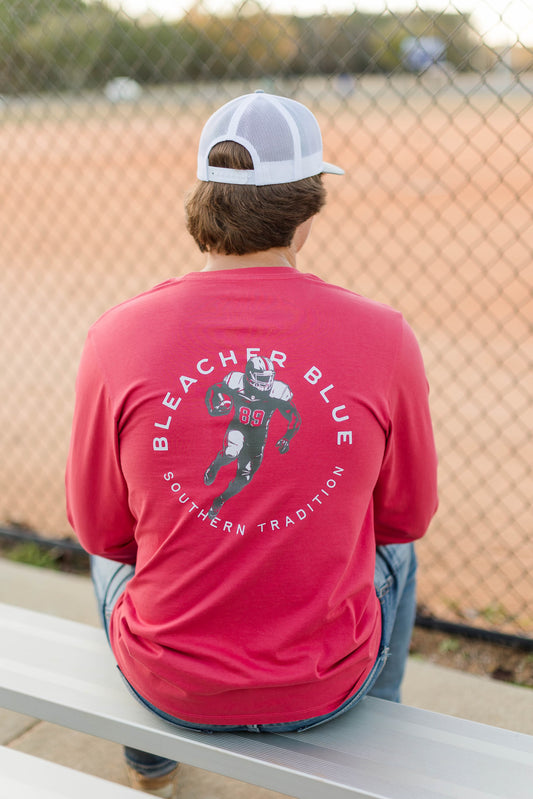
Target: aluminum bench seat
[[63, 672], [24, 776]]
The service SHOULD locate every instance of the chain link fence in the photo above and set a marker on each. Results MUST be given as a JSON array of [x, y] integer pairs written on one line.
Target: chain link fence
[[431, 115]]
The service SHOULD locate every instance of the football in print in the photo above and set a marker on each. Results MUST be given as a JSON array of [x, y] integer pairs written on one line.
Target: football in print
[[222, 405]]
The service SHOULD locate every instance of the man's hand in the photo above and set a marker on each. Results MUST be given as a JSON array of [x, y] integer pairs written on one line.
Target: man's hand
[[283, 445]]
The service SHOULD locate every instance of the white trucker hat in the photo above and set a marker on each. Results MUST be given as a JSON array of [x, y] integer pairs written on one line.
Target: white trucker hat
[[282, 136]]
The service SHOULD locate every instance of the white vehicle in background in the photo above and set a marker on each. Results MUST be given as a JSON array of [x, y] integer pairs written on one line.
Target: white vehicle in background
[[122, 90]]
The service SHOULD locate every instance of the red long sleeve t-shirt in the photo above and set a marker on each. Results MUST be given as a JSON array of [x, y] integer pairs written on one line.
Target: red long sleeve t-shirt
[[247, 438]]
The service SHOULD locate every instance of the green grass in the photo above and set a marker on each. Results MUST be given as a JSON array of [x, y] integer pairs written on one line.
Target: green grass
[[33, 555]]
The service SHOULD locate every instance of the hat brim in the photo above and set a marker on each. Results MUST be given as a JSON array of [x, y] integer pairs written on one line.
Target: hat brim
[[331, 169]]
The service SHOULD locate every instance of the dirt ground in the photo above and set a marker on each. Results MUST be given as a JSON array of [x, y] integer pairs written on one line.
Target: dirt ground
[[474, 656], [433, 217]]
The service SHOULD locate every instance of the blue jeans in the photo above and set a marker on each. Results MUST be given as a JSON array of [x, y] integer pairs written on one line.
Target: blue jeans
[[395, 585]]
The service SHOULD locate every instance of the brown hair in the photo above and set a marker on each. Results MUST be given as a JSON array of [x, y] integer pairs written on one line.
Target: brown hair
[[236, 219]]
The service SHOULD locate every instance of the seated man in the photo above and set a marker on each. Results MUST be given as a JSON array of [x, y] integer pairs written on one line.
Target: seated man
[[279, 602]]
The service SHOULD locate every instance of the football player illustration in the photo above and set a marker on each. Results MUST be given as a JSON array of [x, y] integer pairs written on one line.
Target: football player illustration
[[253, 396]]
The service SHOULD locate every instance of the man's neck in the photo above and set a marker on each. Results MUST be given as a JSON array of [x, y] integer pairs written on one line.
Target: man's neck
[[277, 256]]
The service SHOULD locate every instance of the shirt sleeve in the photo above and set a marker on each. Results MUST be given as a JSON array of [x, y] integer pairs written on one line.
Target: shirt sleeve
[[405, 496], [96, 491]]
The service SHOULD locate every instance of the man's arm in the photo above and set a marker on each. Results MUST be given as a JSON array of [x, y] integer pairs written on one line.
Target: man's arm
[[97, 495], [291, 414], [405, 496]]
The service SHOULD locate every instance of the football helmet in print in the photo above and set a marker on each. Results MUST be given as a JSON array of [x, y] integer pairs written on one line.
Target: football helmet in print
[[259, 372]]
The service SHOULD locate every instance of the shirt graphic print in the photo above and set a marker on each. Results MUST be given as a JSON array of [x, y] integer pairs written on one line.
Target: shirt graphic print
[[252, 396]]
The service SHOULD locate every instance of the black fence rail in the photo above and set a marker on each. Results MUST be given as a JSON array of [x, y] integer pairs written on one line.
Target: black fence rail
[[430, 114]]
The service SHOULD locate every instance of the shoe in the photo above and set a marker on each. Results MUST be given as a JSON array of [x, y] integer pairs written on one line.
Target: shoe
[[215, 507], [166, 787], [210, 474]]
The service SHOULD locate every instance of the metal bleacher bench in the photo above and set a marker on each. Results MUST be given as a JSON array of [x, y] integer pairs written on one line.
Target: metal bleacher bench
[[63, 672]]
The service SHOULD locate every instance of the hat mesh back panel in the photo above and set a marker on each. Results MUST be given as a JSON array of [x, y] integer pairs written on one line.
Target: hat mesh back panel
[[271, 135]]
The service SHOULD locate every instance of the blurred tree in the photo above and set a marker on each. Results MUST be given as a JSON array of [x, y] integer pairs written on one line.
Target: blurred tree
[[73, 44]]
